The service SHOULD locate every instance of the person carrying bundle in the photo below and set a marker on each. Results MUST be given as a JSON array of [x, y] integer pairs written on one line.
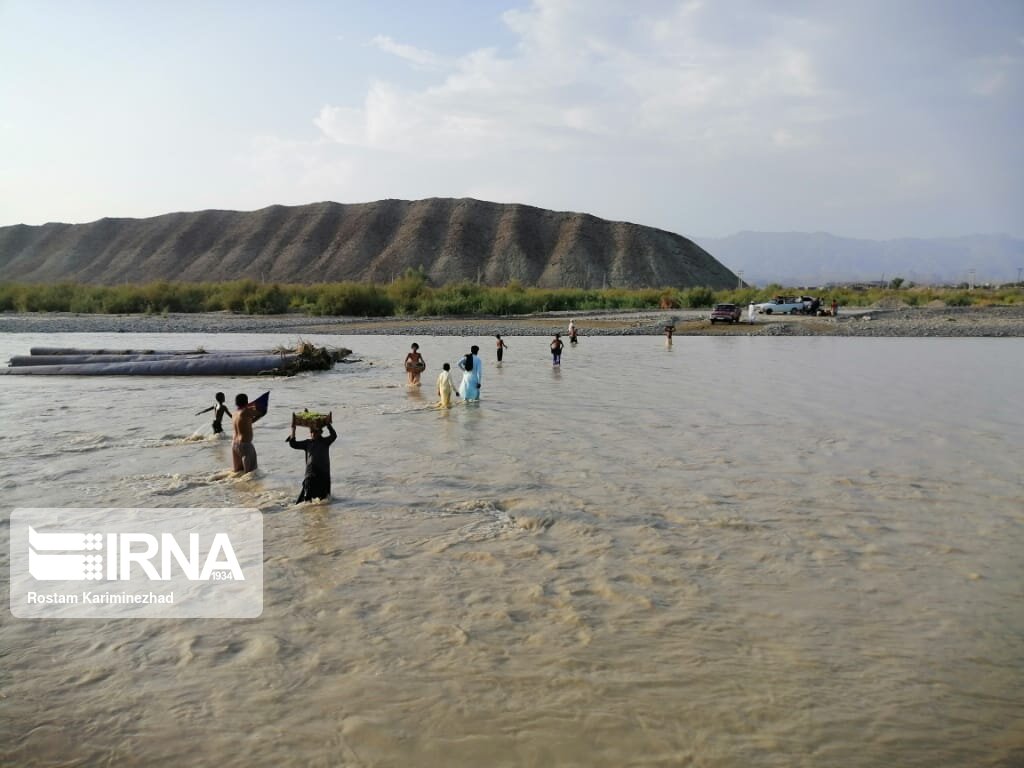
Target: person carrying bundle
[[415, 365], [243, 452], [317, 482]]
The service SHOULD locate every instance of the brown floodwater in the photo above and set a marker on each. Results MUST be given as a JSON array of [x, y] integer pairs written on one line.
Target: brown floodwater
[[731, 552]]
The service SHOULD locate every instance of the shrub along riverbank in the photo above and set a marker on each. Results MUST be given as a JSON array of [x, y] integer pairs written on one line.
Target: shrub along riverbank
[[411, 295]]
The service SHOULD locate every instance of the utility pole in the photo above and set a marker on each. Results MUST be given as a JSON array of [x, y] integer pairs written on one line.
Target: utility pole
[[971, 283], [1019, 269], [739, 279]]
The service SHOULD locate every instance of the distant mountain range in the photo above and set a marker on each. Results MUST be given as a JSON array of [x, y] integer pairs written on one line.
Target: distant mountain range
[[800, 258], [451, 240]]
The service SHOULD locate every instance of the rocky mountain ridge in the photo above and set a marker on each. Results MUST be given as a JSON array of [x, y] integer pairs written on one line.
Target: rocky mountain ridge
[[451, 240]]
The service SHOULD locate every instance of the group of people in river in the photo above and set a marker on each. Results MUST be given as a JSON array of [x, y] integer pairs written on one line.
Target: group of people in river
[[243, 453], [472, 368], [316, 483], [472, 374]]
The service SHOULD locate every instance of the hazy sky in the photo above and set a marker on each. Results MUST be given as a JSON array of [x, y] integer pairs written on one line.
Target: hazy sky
[[863, 118]]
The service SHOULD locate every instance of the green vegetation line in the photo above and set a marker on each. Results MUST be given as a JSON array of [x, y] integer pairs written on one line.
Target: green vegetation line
[[411, 295]]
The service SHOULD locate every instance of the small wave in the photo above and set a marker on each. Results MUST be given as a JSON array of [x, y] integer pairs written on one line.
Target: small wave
[[196, 437], [202, 437], [316, 503], [472, 506], [276, 501], [85, 443], [425, 408], [166, 484], [491, 522], [230, 476], [734, 523]]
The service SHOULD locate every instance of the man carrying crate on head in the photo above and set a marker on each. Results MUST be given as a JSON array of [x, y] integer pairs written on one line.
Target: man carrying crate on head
[[317, 482]]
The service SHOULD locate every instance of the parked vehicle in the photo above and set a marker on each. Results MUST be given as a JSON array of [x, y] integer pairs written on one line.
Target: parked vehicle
[[727, 313], [811, 305], [782, 305]]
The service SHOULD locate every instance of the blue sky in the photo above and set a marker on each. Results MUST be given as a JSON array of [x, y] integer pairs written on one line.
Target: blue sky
[[704, 117]]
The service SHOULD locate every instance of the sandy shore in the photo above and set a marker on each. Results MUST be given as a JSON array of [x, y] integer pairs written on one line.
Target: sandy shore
[[906, 322]]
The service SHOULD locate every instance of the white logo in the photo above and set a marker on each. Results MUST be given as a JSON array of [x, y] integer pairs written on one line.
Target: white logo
[[51, 567], [121, 552], [121, 562]]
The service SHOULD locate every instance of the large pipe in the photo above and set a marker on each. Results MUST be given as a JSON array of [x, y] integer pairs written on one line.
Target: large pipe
[[200, 365], [78, 359]]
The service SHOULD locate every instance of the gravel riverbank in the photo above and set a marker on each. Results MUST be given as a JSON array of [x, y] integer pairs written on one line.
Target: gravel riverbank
[[1007, 321]]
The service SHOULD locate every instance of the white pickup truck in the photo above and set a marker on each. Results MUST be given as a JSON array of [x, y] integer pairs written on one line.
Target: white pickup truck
[[781, 305], [785, 305]]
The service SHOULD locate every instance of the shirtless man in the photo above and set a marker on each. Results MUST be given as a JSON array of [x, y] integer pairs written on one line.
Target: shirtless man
[[556, 349], [243, 452], [415, 365]]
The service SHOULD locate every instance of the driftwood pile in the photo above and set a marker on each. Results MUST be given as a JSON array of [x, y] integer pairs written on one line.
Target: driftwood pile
[[69, 361]]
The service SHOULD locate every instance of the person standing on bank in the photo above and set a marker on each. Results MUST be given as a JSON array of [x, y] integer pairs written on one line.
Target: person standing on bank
[[317, 482], [502, 346]]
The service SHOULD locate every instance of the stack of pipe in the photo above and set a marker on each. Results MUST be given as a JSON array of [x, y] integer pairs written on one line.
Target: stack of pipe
[[69, 361]]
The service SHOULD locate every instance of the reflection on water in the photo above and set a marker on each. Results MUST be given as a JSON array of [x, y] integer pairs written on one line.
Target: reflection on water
[[729, 551]]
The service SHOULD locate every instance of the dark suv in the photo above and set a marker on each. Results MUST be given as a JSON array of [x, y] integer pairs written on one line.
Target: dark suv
[[728, 313]]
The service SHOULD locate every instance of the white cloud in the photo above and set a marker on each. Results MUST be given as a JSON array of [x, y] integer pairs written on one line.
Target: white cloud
[[309, 170], [410, 53], [587, 76], [694, 116]]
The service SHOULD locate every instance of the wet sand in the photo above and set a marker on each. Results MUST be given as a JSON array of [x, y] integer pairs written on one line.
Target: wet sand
[[1004, 321]]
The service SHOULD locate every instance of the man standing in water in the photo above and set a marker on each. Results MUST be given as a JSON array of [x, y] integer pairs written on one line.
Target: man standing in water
[[243, 452], [556, 349], [472, 379], [317, 482], [478, 367], [415, 365]]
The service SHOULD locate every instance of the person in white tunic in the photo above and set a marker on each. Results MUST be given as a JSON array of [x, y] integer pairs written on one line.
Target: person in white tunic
[[473, 374], [751, 311]]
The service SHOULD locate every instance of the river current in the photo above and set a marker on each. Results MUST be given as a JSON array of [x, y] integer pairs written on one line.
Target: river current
[[735, 551]]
